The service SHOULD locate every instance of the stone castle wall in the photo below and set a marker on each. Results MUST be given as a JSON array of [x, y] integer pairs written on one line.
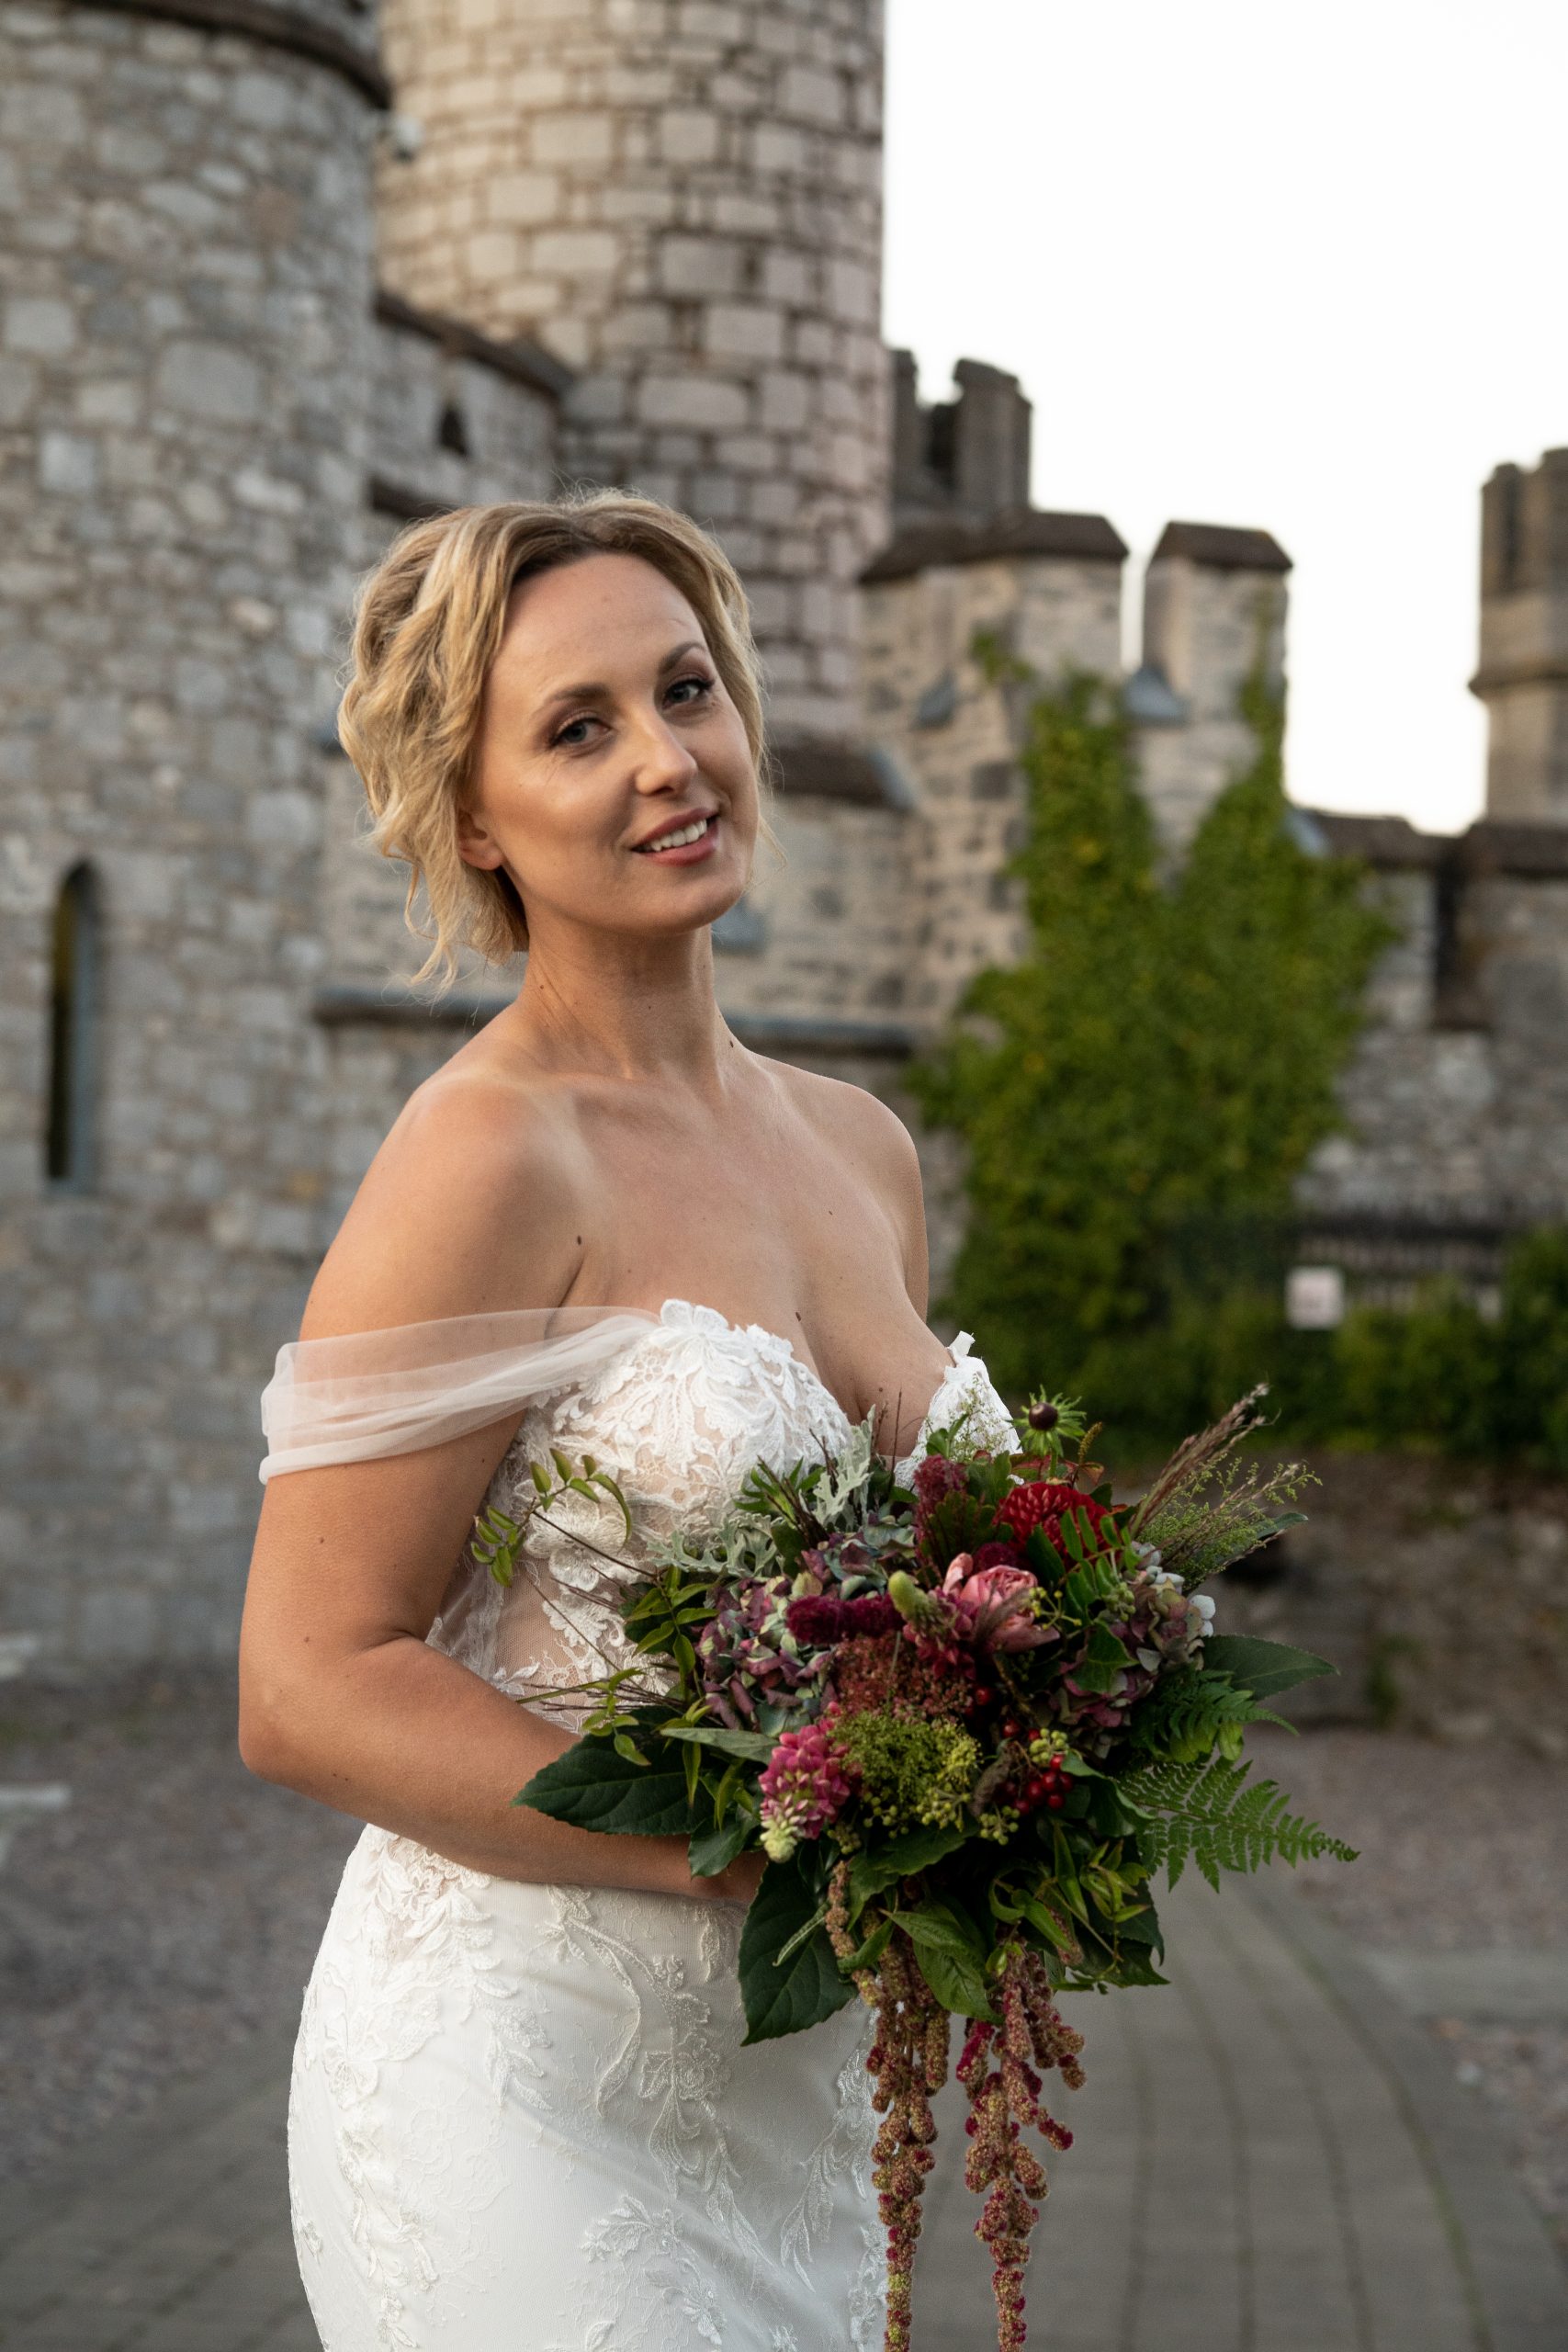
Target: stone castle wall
[[951, 733], [455, 420], [1456, 1099], [681, 199], [639, 242], [185, 357]]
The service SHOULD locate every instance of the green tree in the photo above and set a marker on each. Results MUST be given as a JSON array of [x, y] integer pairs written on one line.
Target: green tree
[[1165, 1052]]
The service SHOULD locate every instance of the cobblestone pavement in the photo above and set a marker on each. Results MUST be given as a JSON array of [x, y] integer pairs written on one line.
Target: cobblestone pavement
[[1270, 2157]]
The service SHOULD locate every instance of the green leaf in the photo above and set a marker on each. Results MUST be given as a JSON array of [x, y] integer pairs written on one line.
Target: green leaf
[[956, 1979], [752, 1746], [899, 1858], [942, 1926], [1143, 1927], [950, 1954], [1263, 1667], [1103, 1661], [867, 1954], [808, 1987], [1045, 1923], [593, 1788], [712, 1851]]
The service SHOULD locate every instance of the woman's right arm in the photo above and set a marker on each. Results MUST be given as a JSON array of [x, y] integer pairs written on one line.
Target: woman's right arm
[[340, 1697]]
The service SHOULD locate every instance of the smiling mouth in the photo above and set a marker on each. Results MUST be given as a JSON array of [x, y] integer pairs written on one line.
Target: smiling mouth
[[686, 836]]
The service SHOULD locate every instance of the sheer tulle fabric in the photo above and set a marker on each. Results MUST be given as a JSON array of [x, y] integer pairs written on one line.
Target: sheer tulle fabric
[[368, 1394]]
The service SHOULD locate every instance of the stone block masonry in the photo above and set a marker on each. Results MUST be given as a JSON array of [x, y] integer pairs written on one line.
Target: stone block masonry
[[953, 735], [1456, 1099], [184, 366], [683, 203]]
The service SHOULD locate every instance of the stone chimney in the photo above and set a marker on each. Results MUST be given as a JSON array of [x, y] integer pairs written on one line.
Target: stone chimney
[[1523, 676]]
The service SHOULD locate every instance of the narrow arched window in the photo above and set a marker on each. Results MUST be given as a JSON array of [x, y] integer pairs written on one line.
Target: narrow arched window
[[70, 1152]]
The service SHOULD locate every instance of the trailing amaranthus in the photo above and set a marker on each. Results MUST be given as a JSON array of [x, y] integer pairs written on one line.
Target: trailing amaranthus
[[907, 2063], [1001, 2068]]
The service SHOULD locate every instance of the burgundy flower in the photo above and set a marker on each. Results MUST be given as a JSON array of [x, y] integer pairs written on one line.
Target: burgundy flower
[[998, 1555], [816, 1617], [822, 1618]]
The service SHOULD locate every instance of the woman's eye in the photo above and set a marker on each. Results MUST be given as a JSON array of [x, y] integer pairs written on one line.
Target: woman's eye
[[703, 686], [569, 734]]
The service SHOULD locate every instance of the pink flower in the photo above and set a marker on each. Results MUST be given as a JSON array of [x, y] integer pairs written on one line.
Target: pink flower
[[804, 1785], [993, 1605]]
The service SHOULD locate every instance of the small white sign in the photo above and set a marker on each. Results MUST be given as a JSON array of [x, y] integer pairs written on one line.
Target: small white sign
[[1314, 1298]]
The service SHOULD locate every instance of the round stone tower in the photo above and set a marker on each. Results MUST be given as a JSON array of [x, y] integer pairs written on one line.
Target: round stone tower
[[185, 248], [683, 200]]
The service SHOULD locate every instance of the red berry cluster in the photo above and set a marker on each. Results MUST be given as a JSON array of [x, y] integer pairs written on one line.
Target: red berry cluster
[[1048, 1787]]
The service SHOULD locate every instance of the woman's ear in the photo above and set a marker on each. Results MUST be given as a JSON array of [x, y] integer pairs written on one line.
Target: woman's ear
[[476, 844]]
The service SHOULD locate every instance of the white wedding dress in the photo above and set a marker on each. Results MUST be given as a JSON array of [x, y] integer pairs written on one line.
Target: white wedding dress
[[522, 2119]]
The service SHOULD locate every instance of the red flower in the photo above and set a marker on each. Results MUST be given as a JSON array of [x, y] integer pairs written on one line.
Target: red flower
[[1045, 1503]]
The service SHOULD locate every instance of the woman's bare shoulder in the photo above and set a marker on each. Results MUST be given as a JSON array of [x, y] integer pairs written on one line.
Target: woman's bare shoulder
[[475, 1202], [875, 1145], [856, 1122]]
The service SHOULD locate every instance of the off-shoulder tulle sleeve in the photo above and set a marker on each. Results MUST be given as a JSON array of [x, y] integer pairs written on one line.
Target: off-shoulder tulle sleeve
[[365, 1394]]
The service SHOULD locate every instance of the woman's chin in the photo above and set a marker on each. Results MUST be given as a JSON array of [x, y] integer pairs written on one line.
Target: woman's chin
[[701, 901]]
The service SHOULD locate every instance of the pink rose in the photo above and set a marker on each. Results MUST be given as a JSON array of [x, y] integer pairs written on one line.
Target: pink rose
[[993, 1605]]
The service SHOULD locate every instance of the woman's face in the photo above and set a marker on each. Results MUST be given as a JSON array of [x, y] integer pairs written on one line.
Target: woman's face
[[606, 730]]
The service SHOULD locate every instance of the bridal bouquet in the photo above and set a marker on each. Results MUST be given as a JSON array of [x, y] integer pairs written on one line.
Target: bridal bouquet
[[968, 1723]]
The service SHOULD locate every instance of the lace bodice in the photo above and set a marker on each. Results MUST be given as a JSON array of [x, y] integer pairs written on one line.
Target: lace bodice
[[678, 1418]]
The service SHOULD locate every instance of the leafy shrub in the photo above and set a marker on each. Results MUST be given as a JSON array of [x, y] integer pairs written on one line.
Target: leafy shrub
[[1166, 1050]]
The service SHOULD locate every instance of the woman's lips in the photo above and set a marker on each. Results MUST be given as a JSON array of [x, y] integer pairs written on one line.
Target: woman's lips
[[689, 853]]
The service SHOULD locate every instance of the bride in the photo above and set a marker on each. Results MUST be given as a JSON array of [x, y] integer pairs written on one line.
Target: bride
[[521, 2117]]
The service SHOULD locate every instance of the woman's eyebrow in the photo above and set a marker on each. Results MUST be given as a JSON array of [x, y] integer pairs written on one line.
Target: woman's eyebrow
[[594, 690]]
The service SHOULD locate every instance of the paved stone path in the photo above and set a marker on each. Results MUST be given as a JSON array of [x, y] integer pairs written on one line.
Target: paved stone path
[[1270, 2157]]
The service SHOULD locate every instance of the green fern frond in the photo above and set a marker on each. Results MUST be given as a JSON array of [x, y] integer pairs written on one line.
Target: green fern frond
[[1189, 1713], [1208, 1814]]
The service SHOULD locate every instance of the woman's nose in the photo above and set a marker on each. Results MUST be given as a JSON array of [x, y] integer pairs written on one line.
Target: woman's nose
[[661, 757]]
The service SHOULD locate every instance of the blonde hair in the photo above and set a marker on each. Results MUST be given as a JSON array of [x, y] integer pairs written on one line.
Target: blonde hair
[[428, 623]]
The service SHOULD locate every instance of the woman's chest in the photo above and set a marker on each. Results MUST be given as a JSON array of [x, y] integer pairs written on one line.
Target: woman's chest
[[782, 1232], [679, 1420]]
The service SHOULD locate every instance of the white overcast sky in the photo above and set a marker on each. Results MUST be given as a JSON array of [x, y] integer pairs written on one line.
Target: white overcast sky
[[1292, 262]]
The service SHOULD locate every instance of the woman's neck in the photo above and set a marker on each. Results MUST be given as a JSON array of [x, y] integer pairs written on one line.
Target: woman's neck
[[633, 1009]]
